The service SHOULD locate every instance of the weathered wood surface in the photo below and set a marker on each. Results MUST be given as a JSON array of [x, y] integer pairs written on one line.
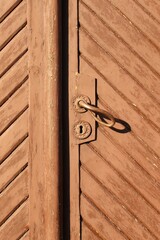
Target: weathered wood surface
[[14, 101], [118, 44], [44, 129], [29, 126], [14, 195], [7, 7], [17, 224], [14, 164], [13, 24]]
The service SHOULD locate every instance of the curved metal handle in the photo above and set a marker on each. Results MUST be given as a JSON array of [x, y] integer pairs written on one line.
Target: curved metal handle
[[93, 109]]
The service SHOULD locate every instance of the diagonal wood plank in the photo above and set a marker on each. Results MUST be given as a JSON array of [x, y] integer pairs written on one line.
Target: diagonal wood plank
[[13, 195], [13, 136], [13, 51], [14, 107], [17, 224], [102, 226], [127, 112], [120, 52], [7, 6], [131, 145], [140, 19], [152, 7], [124, 191], [13, 78], [122, 82], [25, 237], [12, 24], [135, 40], [87, 233], [13, 164], [113, 209]]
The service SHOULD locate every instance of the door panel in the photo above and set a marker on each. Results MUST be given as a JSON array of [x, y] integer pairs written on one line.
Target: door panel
[[114, 179], [29, 111]]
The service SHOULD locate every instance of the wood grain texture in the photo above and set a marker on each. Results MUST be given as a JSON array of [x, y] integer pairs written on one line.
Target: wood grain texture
[[132, 145], [151, 7], [123, 83], [13, 195], [134, 39], [13, 164], [105, 201], [10, 54], [14, 136], [139, 19], [13, 79], [99, 223], [12, 24], [16, 225], [7, 7], [25, 237], [119, 52], [87, 233], [109, 92], [44, 129], [116, 183], [118, 44], [14, 107]]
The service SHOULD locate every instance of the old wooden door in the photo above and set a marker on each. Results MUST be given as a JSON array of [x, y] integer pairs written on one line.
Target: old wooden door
[[29, 120], [115, 172]]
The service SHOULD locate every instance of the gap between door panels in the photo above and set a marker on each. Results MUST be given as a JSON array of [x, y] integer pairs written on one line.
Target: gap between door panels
[[65, 122]]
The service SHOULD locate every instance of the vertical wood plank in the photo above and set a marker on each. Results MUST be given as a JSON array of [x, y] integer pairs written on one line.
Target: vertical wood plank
[[44, 127], [74, 148]]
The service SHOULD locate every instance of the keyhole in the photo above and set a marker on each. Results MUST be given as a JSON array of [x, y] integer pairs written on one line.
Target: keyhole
[[80, 129]]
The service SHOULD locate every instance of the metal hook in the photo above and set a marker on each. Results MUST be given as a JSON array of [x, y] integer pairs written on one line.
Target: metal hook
[[93, 109]]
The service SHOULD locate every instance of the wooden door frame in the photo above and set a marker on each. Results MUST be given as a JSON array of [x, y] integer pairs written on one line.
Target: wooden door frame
[[73, 14], [44, 119]]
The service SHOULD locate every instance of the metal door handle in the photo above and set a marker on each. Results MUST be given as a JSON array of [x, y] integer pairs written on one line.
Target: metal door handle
[[93, 109]]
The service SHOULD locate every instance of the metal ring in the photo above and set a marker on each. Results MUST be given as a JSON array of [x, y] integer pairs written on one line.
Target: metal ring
[[93, 109]]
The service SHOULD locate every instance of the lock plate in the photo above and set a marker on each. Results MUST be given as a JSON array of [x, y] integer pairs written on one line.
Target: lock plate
[[85, 87], [82, 130]]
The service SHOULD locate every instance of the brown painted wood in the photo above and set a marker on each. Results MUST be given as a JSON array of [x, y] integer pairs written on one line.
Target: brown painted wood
[[74, 157], [118, 45], [16, 48], [8, 112], [13, 79], [14, 164], [30, 144], [25, 237], [150, 7], [13, 23], [17, 225], [87, 233], [134, 94], [14, 195], [139, 19], [44, 119], [7, 7], [98, 222], [132, 144], [133, 38], [14, 136], [115, 211], [115, 183], [133, 66]]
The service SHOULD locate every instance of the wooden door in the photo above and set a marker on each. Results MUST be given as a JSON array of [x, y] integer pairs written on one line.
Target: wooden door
[[115, 172], [29, 120]]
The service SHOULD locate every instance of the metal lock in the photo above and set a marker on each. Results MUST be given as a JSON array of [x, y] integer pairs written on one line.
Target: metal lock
[[82, 130], [76, 101]]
